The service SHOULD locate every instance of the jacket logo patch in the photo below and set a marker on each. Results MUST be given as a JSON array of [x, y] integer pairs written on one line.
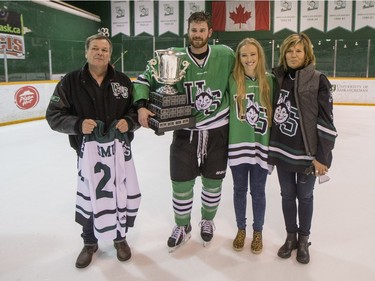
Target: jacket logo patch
[[55, 98], [119, 91]]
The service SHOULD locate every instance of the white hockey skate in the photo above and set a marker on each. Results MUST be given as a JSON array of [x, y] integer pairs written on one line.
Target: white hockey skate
[[180, 235], [207, 231]]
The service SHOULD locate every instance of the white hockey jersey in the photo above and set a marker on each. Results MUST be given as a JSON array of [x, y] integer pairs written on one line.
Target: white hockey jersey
[[107, 186]]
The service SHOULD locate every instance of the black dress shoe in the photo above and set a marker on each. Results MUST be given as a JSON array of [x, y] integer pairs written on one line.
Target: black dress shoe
[[85, 256], [123, 250]]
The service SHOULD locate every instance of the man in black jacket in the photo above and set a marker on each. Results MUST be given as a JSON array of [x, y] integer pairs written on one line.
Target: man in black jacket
[[95, 92]]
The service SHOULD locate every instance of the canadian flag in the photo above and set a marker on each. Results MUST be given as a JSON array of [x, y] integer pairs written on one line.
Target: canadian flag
[[240, 15]]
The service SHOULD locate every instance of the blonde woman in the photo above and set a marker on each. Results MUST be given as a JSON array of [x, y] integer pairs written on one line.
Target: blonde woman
[[302, 138], [251, 91]]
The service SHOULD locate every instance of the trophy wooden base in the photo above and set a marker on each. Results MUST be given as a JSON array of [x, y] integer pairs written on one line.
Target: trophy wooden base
[[171, 112], [162, 126], [163, 100]]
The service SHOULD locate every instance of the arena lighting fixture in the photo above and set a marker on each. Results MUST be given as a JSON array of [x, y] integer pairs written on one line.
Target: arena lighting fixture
[[61, 6]]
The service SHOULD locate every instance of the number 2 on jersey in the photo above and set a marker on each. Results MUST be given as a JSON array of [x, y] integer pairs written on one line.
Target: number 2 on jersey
[[100, 193]]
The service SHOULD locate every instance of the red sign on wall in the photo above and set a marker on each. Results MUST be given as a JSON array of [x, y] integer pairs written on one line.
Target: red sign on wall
[[26, 97]]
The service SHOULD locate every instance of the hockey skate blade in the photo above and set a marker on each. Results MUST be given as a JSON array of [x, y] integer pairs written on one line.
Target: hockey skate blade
[[172, 249]]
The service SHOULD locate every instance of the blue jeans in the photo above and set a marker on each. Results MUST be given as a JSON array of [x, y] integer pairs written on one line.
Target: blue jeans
[[257, 181], [297, 187]]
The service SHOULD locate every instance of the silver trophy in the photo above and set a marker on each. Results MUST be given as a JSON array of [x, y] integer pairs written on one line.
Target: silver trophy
[[171, 108], [169, 70]]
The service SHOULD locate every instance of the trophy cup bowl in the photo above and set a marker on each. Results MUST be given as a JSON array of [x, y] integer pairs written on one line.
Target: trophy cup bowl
[[171, 108], [170, 70]]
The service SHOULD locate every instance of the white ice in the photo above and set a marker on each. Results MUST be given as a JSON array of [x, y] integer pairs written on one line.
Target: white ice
[[40, 241]]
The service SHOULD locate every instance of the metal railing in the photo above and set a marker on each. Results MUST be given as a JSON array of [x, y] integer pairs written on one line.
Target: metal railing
[[51, 59]]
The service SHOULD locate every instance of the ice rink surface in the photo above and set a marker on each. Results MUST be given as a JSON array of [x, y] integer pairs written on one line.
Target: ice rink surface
[[40, 241]]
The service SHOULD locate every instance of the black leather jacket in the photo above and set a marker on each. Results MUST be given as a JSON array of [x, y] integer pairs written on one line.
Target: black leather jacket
[[74, 100]]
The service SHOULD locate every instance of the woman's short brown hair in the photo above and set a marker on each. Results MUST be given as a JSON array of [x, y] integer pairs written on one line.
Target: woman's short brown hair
[[291, 41]]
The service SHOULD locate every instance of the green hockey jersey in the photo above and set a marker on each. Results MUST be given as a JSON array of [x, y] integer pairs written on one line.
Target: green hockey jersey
[[248, 134], [205, 86]]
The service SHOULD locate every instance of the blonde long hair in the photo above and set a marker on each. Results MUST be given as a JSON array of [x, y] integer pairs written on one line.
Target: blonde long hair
[[260, 75]]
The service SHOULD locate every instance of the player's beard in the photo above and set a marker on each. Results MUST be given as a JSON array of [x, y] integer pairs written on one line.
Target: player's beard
[[201, 42]]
